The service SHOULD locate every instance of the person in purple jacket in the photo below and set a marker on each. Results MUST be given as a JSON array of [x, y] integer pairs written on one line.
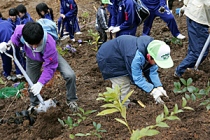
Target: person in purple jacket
[[23, 14], [43, 56], [124, 18], [44, 11], [68, 16], [160, 8], [6, 31]]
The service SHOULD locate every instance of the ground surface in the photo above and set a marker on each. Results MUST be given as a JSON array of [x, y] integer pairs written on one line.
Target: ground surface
[[193, 124]]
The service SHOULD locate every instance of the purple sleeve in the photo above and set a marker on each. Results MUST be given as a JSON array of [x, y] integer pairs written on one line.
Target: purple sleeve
[[50, 64], [15, 38]]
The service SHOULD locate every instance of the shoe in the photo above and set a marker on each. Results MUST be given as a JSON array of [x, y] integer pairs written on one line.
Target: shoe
[[11, 78], [66, 33], [176, 75], [73, 106], [19, 76], [73, 40], [180, 36], [64, 37], [78, 33], [30, 109]]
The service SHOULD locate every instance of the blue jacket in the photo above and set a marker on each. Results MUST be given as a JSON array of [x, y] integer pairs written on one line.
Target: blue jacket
[[68, 8], [48, 16], [126, 55], [154, 4], [124, 14], [6, 30], [17, 22], [26, 18]]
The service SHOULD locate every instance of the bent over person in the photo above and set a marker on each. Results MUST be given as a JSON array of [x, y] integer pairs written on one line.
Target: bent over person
[[41, 53], [129, 58]]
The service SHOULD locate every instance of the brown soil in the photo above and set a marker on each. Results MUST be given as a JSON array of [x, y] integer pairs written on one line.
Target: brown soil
[[192, 125]]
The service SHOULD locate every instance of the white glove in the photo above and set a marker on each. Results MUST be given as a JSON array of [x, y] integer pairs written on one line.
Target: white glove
[[162, 91], [181, 11], [116, 29], [156, 95], [36, 88], [107, 31], [110, 28], [3, 47]]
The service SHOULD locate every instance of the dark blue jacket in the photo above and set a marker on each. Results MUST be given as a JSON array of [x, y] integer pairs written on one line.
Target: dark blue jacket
[[6, 30], [126, 55], [124, 15], [17, 22], [154, 4], [68, 8], [26, 18]]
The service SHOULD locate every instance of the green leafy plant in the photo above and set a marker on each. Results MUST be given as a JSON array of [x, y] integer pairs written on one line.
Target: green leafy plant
[[95, 132], [2, 82], [61, 51], [176, 41], [68, 122], [83, 115], [160, 121], [95, 36], [113, 96], [85, 17]]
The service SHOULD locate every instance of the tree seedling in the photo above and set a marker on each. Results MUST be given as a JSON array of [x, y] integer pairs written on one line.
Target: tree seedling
[[68, 122]]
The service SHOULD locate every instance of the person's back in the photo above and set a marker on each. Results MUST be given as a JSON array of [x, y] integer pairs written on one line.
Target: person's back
[[6, 30]]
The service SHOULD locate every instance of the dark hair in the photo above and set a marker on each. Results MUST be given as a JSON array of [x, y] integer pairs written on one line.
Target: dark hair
[[13, 12], [2, 17], [43, 7], [33, 33], [21, 8]]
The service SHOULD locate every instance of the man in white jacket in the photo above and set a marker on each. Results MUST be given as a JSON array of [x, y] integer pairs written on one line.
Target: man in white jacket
[[198, 22]]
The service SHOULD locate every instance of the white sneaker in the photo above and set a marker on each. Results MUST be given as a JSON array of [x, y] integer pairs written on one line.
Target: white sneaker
[[19, 76], [73, 40], [180, 36], [78, 33], [64, 37]]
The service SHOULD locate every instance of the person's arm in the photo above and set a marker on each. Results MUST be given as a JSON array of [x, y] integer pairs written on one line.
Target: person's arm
[[50, 64], [15, 38], [152, 75], [162, 3], [72, 11], [137, 74]]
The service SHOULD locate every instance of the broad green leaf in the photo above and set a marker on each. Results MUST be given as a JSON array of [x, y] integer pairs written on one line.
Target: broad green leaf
[[177, 85], [189, 81], [102, 131], [61, 122], [187, 96], [205, 102], [80, 135], [175, 108], [189, 108], [166, 110], [151, 132], [135, 135], [82, 110], [94, 124], [127, 96], [79, 115], [100, 98], [71, 136], [79, 121], [89, 112], [193, 97], [123, 112], [184, 89], [177, 91], [162, 124], [109, 106], [180, 110], [107, 111], [184, 82], [172, 118], [75, 124], [1, 81], [121, 121], [159, 118], [208, 107], [184, 102], [191, 89], [98, 126], [100, 95]]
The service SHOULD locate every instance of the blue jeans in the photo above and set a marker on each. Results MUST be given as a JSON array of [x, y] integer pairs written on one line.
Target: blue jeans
[[33, 69]]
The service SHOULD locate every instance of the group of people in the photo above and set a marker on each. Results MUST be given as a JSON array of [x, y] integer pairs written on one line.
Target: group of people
[[41, 58], [123, 60], [129, 59]]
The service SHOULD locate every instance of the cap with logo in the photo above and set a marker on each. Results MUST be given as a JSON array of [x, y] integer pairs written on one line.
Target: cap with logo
[[106, 2], [160, 52]]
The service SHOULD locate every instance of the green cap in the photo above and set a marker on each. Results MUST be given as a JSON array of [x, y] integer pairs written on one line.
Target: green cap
[[106, 2], [160, 52]]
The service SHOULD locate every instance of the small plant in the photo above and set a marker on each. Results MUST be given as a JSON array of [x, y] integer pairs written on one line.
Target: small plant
[[166, 115], [113, 95], [85, 16], [95, 132], [95, 36], [2, 82], [61, 51], [83, 115], [68, 122], [176, 41]]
